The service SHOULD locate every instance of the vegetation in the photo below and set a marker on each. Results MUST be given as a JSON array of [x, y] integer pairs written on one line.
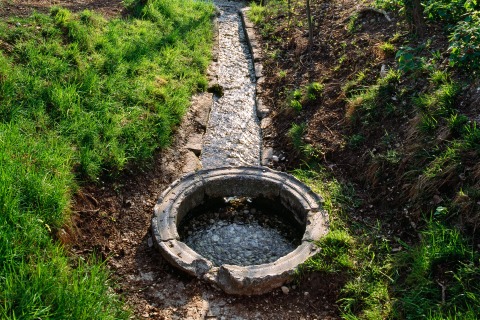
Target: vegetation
[[82, 97], [412, 133]]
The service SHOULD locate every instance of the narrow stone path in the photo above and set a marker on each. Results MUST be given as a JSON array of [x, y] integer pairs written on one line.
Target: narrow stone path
[[233, 135]]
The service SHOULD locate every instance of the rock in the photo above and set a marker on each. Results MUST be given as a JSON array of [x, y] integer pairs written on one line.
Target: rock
[[150, 242], [200, 106], [258, 70], [262, 110], [195, 143], [285, 290], [267, 156], [192, 163], [265, 123]]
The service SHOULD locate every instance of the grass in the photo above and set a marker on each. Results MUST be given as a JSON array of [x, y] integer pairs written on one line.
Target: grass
[[441, 277], [116, 88], [361, 254], [370, 104], [381, 284], [82, 97]]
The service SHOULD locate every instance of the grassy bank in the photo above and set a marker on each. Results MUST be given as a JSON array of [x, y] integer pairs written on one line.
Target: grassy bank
[[391, 139], [82, 97]]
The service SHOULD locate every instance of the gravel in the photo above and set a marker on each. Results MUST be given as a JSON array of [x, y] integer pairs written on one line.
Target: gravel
[[240, 234]]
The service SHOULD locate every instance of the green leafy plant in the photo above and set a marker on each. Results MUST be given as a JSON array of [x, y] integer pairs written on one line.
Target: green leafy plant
[[387, 48], [465, 43], [449, 10], [295, 101], [314, 90], [352, 23], [407, 60]]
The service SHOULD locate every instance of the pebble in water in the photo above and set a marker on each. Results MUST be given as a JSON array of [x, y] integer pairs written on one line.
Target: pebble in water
[[239, 237]]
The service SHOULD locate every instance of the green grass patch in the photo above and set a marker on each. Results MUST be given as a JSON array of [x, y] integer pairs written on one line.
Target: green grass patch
[[374, 103], [359, 253], [442, 280], [82, 97], [113, 89]]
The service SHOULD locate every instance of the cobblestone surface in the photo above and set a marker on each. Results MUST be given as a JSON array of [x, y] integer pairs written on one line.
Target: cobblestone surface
[[233, 135]]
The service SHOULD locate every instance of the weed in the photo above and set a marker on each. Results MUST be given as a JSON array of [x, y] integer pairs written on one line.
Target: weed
[[472, 137], [441, 276], [282, 74], [456, 124], [438, 104], [314, 90], [351, 25], [368, 104], [387, 48], [296, 105], [349, 86], [295, 133], [439, 77], [355, 141], [295, 101]]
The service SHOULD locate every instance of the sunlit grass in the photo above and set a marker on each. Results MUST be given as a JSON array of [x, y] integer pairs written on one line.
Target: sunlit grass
[[82, 97]]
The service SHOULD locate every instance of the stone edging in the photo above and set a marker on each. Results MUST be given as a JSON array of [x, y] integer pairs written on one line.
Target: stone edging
[[257, 57], [191, 190]]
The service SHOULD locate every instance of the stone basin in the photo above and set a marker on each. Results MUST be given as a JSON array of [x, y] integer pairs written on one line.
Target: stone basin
[[194, 189]]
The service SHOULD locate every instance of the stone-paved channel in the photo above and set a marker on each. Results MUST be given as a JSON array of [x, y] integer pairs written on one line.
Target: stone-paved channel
[[233, 136]]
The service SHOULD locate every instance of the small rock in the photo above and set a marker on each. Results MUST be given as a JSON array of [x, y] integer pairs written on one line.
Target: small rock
[[274, 158], [215, 238], [150, 242], [285, 290], [306, 293]]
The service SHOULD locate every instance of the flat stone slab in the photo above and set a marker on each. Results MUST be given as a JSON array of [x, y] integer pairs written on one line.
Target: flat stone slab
[[195, 188]]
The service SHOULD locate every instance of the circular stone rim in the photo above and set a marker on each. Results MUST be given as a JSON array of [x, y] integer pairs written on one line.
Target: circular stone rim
[[190, 191]]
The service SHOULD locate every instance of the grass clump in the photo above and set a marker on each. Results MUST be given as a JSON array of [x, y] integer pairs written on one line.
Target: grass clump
[[359, 254], [372, 104], [82, 97], [37, 279], [442, 277]]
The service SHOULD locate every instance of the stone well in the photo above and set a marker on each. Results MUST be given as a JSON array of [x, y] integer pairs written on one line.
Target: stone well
[[194, 189]]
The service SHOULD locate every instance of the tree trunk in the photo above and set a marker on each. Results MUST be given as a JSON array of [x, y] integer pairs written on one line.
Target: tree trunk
[[289, 5], [310, 26], [415, 10]]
